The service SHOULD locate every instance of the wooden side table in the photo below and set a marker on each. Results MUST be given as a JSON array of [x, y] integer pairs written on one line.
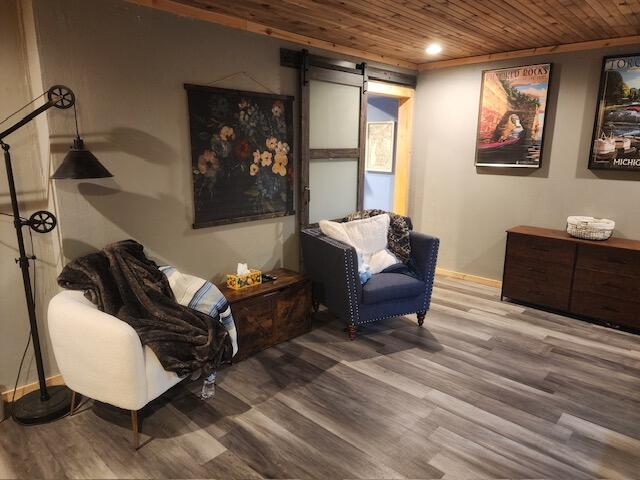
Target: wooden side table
[[270, 313]]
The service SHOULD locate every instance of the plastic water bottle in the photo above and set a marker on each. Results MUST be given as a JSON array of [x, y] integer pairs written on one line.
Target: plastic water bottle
[[209, 387]]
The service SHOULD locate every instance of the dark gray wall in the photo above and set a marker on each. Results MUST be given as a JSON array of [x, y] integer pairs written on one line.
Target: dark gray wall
[[470, 209], [127, 65], [33, 194]]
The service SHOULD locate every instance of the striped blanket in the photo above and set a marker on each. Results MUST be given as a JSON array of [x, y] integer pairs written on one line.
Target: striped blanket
[[203, 296]]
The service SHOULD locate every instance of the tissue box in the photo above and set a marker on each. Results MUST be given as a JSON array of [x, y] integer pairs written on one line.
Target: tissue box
[[254, 277]]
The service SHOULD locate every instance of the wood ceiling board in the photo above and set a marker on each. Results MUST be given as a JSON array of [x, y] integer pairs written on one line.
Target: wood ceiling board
[[531, 52], [397, 31], [431, 29], [484, 18], [187, 10]]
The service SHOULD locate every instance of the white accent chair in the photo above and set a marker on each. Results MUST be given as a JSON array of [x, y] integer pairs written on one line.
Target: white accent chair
[[101, 357]]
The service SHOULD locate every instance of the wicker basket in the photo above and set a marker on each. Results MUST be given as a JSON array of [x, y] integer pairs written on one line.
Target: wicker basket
[[590, 228]]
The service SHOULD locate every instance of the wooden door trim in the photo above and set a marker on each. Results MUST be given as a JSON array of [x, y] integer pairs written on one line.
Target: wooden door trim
[[405, 96]]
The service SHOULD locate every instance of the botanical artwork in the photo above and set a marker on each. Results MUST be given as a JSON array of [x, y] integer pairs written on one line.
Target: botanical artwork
[[241, 155], [380, 146], [616, 135], [512, 112]]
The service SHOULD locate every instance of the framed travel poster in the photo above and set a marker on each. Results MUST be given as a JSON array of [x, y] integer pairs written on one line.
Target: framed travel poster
[[241, 155], [512, 113], [616, 134], [380, 138]]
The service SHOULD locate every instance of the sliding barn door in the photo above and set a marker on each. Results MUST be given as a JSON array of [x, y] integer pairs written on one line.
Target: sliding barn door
[[334, 150], [333, 114], [333, 108]]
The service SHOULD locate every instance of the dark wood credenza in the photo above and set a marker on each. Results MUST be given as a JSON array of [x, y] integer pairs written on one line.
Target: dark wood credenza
[[599, 280], [270, 313]]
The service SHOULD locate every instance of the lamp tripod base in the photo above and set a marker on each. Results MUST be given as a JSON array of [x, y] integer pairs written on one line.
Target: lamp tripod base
[[32, 410]]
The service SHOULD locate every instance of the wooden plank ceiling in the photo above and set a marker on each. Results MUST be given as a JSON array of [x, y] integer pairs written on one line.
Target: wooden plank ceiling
[[401, 29]]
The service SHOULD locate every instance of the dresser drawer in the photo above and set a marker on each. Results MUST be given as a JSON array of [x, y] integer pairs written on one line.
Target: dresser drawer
[[541, 283], [549, 268], [607, 284], [613, 260], [538, 248], [624, 312]]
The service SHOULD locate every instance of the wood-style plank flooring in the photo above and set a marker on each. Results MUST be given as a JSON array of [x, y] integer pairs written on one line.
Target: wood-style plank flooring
[[484, 390]]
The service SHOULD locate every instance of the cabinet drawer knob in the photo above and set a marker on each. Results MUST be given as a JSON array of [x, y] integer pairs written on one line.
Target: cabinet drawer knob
[[536, 270], [270, 294]]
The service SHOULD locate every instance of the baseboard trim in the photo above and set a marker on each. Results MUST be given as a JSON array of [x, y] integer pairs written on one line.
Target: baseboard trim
[[490, 282], [30, 387]]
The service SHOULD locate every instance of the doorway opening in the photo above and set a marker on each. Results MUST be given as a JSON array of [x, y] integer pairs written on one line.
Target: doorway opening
[[389, 117]]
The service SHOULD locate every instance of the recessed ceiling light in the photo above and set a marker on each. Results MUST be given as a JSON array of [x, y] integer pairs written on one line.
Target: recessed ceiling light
[[434, 49]]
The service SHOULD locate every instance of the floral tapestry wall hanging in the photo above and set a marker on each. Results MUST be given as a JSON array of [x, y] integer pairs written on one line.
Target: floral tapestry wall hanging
[[241, 155]]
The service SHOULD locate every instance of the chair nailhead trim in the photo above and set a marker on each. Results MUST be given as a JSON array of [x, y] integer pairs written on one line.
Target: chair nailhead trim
[[384, 318], [432, 267], [353, 303]]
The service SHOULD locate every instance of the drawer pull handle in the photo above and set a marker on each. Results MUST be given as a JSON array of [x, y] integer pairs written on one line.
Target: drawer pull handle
[[540, 249], [609, 309], [536, 270], [270, 294]]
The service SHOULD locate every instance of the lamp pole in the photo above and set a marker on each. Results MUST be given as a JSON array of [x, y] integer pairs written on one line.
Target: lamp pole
[[47, 403], [23, 262]]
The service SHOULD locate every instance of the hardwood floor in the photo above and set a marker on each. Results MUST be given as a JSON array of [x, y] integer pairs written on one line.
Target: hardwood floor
[[484, 390]]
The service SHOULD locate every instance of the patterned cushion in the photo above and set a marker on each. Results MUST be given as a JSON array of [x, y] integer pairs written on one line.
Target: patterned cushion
[[399, 229], [203, 296]]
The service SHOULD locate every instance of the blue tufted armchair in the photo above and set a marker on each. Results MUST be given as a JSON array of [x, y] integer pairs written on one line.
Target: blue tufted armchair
[[333, 267]]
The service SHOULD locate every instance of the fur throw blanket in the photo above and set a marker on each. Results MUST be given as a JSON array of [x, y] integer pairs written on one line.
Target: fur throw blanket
[[399, 229], [124, 283]]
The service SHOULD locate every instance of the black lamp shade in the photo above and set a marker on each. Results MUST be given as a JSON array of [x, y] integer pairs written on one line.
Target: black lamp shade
[[80, 163]]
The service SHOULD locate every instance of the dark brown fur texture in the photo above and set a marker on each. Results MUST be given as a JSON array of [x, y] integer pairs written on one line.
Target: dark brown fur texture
[[124, 283]]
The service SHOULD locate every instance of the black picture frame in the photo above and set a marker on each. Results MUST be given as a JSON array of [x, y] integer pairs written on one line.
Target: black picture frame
[[506, 155], [242, 155], [603, 154]]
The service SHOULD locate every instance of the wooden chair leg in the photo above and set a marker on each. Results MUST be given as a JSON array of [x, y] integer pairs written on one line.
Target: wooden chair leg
[[73, 403], [421, 316], [134, 427], [351, 330]]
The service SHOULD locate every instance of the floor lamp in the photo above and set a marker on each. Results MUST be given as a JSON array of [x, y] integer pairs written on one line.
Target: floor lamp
[[47, 403]]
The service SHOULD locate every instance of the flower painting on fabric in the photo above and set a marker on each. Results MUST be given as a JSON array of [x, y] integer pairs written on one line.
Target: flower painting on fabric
[[513, 103], [241, 155]]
